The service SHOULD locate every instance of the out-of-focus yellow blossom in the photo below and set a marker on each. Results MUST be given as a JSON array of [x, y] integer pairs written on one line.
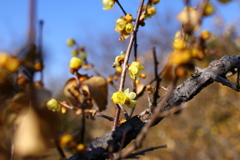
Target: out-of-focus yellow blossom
[[10, 63], [208, 10], [120, 24], [130, 102], [129, 27], [53, 105], [151, 11], [119, 97], [107, 4], [179, 44], [135, 69]]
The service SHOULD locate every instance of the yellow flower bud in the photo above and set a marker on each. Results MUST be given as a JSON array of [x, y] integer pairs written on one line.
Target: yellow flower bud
[[75, 63], [118, 70], [151, 11], [205, 34], [143, 75], [208, 10], [155, 1], [74, 53], [70, 42], [129, 27], [65, 140], [180, 71], [107, 4], [38, 66], [128, 18], [80, 147]]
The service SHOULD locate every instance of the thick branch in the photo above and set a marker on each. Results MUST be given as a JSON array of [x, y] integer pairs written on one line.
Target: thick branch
[[216, 71]]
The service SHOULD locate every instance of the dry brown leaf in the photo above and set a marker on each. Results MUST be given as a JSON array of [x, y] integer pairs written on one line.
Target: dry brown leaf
[[33, 134], [74, 96], [140, 87], [98, 88]]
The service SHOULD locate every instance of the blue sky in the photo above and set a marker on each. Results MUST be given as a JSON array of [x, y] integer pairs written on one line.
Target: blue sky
[[88, 23]]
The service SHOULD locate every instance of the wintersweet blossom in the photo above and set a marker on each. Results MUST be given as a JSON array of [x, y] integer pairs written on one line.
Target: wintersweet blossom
[[130, 102], [120, 24], [119, 97], [107, 4], [129, 27], [135, 69], [151, 11], [53, 105]]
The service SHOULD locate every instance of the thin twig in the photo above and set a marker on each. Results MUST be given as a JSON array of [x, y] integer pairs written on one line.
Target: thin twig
[[238, 77], [157, 78], [32, 18], [131, 110], [119, 4], [60, 151], [142, 152], [40, 47], [99, 114], [125, 63]]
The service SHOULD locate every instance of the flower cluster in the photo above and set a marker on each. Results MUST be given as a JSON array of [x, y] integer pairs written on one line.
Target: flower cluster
[[108, 4], [124, 26], [135, 69], [184, 53], [79, 56], [125, 97]]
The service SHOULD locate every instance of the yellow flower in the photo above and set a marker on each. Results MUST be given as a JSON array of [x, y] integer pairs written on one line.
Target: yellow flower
[[151, 11], [135, 69], [129, 27], [120, 24], [129, 100], [53, 105], [75, 63], [107, 4], [119, 97]]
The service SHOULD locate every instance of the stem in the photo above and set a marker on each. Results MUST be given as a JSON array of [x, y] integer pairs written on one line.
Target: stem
[[40, 47], [156, 96], [125, 63], [131, 110], [119, 4], [32, 17]]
